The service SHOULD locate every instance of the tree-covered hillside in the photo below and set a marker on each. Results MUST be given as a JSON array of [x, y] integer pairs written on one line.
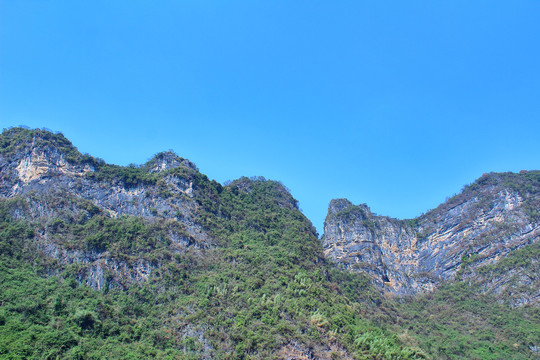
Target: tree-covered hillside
[[100, 261]]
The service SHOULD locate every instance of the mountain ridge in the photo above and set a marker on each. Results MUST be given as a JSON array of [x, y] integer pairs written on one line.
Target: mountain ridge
[[401, 256], [205, 270], [490, 218]]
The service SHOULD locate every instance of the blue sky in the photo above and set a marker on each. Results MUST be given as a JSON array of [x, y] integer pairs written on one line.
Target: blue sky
[[396, 104]]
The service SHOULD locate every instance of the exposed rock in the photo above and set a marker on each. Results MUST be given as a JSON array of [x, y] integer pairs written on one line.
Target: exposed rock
[[34, 161], [168, 160], [52, 181], [297, 351], [37, 164], [478, 227], [48, 176]]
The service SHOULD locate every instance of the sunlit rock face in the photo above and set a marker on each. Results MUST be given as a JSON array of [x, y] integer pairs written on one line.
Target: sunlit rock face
[[168, 160], [52, 181], [47, 179], [487, 221], [40, 167]]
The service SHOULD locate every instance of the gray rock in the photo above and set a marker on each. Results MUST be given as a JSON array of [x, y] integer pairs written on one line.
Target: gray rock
[[406, 257]]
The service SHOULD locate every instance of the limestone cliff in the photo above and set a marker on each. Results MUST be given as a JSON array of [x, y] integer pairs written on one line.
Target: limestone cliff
[[52, 183], [490, 219], [183, 267], [49, 182]]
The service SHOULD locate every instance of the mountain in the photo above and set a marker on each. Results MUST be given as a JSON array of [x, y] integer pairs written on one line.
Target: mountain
[[491, 218], [159, 261]]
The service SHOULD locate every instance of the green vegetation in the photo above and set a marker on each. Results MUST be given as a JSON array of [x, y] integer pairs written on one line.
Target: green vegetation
[[265, 286], [16, 140], [456, 322], [50, 318], [19, 140], [260, 287], [125, 176], [524, 258], [526, 183]]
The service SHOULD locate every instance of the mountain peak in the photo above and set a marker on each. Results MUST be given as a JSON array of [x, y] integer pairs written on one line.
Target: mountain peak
[[168, 160], [20, 141], [491, 218], [31, 154]]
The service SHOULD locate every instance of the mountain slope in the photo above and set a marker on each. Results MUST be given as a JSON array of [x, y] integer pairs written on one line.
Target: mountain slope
[[158, 261], [491, 218]]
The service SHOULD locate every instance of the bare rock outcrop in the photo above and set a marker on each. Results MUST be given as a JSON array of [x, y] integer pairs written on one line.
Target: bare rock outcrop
[[51, 181], [486, 222]]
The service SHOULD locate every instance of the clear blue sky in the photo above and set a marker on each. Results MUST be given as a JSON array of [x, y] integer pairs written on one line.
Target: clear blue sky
[[396, 104]]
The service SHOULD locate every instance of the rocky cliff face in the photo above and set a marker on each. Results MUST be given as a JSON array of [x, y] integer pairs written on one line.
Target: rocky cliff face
[[188, 268], [49, 181], [489, 220]]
